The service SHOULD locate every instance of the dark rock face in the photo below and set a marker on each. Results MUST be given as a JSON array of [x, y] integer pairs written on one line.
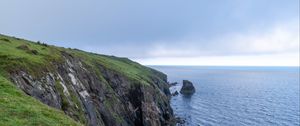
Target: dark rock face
[[175, 93], [187, 88], [180, 121], [109, 100], [173, 84]]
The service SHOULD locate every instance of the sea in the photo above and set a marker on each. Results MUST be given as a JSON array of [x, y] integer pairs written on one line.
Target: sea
[[236, 96]]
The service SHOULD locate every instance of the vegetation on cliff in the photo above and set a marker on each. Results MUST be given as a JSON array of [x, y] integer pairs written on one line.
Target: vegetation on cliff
[[17, 108], [37, 57], [92, 89]]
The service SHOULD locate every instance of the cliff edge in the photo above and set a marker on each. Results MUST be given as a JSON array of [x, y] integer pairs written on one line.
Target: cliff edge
[[92, 89]]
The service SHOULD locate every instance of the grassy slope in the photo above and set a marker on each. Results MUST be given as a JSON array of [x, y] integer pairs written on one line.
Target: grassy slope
[[20, 106], [12, 58], [18, 109]]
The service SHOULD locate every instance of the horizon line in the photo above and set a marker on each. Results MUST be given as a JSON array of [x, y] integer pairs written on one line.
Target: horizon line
[[219, 65]]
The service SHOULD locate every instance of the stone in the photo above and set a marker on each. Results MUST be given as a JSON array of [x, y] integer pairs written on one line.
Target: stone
[[187, 88], [175, 93], [113, 100], [173, 84]]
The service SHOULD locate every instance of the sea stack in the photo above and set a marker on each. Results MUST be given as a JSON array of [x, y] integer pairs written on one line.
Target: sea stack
[[187, 88]]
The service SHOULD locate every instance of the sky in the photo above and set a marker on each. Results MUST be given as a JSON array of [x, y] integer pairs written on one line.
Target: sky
[[164, 32]]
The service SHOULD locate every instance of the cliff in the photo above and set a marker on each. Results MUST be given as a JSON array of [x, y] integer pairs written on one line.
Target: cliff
[[92, 89]]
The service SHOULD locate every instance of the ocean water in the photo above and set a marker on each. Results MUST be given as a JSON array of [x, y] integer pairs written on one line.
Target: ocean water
[[237, 96]]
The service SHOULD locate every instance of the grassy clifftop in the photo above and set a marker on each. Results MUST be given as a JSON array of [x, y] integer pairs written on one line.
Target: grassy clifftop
[[16, 54]]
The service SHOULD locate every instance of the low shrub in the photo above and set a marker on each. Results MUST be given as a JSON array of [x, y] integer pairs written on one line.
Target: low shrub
[[5, 39]]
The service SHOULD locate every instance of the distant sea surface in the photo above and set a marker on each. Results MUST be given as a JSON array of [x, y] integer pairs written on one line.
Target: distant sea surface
[[237, 96]]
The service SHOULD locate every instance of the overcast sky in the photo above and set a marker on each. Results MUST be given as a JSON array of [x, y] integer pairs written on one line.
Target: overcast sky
[[164, 32]]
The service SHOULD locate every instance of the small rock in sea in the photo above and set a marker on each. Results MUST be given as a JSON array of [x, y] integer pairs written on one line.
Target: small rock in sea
[[180, 121], [175, 93], [173, 84], [187, 88]]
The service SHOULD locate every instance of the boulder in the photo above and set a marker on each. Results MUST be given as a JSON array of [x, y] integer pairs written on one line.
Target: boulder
[[187, 88], [180, 121], [173, 84], [175, 93]]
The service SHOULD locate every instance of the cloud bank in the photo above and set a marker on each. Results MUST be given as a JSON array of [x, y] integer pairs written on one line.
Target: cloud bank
[[276, 46], [280, 38]]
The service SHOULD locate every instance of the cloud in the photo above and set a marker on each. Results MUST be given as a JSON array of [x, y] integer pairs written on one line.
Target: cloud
[[283, 37], [286, 59], [275, 46], [280, 38]]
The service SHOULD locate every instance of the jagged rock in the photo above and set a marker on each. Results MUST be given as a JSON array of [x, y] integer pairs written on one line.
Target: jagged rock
[[173, 84], [92, 89], [109, 101], [175, 93], [180, 121], [187, 88]]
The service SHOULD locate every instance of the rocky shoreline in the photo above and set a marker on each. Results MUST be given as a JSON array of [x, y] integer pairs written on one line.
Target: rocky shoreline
[[187, 89]]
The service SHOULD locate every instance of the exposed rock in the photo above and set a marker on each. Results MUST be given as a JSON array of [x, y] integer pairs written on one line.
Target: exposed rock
[[92, 89], [173, 84], [187, 88], [175, 93], [180, 121], [111, 99]]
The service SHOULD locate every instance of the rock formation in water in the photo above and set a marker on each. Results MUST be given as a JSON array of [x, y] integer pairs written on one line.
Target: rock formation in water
[[187, 88], [173, 84], [175, 93], [92, 89]]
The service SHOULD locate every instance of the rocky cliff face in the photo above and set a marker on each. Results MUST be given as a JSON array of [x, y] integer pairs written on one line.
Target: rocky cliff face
[[106, 91]]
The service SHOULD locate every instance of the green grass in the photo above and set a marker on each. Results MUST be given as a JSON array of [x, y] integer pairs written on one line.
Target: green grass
[[124, 66], [18, 109], [12, 58]]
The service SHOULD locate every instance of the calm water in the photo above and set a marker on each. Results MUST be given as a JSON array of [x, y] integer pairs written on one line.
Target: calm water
[[237, 96]]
